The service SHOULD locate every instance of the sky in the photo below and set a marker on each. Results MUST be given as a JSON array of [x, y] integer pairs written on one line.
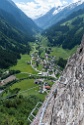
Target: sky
[[37, 8]]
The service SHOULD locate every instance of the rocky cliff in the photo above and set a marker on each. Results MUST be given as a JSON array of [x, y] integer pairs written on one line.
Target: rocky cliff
[[68, 109]]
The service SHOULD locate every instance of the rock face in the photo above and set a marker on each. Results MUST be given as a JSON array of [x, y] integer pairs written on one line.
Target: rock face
[[68, 109], [67, 106]]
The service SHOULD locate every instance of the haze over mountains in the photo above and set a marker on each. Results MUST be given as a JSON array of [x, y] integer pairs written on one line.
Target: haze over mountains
[[57, 14]]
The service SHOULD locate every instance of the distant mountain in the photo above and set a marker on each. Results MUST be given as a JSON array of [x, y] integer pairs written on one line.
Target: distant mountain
[[68, 32], [43, 20], [57, 14], [16, 17]]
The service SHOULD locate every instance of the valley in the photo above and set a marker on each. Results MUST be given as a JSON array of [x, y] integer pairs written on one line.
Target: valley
[[41, 64], [36, 71]]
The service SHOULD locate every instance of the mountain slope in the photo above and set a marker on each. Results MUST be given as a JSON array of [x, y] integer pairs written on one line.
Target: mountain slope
[[42, 21], [16, 30], [57, 14], [12, 43], [17, 18], [69, 107], [67, 32]]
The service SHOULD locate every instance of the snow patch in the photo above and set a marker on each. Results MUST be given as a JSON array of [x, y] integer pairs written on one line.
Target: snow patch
[[69, 6]]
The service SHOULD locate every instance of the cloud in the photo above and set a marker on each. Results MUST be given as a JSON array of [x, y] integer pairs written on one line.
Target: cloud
[[77, 0], [37, 7]]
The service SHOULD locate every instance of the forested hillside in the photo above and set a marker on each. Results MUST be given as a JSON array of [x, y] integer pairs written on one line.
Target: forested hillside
[[12, 43], [67, 32], [59, 13], [20, 108], [16, 30], [16, 17]]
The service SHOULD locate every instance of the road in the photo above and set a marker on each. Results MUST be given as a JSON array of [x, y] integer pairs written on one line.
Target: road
[[43, 73]]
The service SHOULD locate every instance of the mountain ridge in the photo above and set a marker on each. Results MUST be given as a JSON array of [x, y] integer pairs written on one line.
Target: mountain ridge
[[59, 13], [14, 34], [68, 32], [12, 42], [27, 25]]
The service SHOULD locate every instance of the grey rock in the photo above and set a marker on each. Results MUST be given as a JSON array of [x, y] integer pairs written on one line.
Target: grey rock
[[68, 109]]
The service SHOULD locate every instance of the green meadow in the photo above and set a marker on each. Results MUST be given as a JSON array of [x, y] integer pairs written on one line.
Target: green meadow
[[23, 66], [27, 88], [64, 53]]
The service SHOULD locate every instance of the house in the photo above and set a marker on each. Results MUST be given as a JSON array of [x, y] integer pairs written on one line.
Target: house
[[8, 79], [40, 73], [47, 87], [38, 81]]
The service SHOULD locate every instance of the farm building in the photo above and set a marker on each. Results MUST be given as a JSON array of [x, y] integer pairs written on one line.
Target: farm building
[[47, 87], [8, 79]]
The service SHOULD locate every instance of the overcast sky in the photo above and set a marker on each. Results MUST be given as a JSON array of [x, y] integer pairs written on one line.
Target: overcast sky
[[35, 8]]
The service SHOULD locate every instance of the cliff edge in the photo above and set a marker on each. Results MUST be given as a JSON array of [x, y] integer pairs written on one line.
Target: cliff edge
[[69, 108], [66, 106]]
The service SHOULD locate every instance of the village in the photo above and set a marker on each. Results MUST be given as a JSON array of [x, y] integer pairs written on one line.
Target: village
[[44, 64]]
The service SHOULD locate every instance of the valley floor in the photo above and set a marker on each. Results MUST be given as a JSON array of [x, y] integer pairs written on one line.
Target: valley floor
[[39, 71]]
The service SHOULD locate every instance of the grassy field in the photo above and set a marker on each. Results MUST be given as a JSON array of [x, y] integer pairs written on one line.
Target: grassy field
[[60, 52], [23, 66], [27, 69], [21, 75], [26, 85], [57, 51]]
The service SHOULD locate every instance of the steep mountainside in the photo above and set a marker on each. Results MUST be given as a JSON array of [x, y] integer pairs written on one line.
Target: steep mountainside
[[69, 107], [66, 107], [16, 30], [12, 43], [67, 32], [57, 14], [16, 17]]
